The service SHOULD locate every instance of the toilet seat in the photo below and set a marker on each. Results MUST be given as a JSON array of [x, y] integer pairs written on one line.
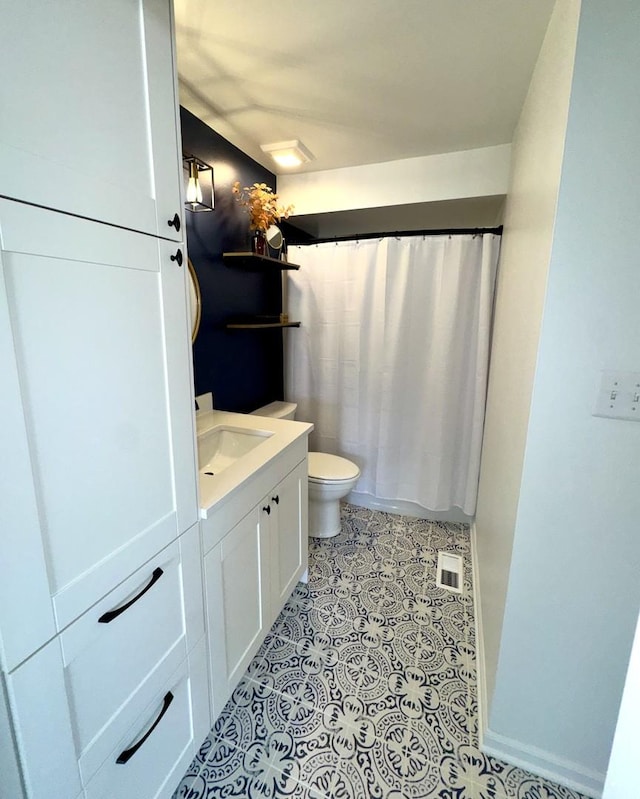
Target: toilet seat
[[325, 468]]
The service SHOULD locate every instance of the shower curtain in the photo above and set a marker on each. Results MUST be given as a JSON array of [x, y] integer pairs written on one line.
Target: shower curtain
[[391, 361]]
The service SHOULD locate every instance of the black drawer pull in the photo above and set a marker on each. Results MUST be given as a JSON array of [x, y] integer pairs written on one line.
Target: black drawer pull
[[177, 257], [110, 615], [267, 509], [175, 222], [276, 499], [127, 754]]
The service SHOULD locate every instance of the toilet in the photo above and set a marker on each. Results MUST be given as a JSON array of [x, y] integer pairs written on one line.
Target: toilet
[[331, 478]]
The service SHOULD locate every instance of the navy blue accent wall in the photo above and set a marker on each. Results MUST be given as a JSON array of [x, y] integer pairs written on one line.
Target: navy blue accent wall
[[243, 368]]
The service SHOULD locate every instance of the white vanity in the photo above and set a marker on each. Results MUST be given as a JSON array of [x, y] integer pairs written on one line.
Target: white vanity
[[254, 523]]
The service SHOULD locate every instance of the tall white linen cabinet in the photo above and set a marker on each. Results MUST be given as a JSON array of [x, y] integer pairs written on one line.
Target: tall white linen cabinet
[[104, 688]]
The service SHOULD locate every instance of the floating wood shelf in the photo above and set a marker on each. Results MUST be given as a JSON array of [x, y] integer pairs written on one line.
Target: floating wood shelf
[[251, 262]]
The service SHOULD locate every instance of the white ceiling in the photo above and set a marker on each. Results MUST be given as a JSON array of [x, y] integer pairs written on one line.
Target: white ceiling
[[359, 81]]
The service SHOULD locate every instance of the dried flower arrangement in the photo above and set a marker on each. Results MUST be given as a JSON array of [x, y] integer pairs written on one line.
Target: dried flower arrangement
[[262, 204]]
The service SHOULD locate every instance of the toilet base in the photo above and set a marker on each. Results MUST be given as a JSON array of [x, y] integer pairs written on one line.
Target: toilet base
[[324, 535], [324, 518], [326, 489]]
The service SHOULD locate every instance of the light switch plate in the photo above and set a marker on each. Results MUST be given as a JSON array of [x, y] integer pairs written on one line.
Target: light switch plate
[[618, 396]]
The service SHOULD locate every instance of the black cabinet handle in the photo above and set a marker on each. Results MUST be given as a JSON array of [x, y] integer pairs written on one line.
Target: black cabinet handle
[[267, 509], [175, 222], [127, 754], [177, 257], [276, 499], [113, 614]]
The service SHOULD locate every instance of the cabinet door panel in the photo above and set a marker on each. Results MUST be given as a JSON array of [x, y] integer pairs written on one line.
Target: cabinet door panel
[[289, 531], [89, 110], [25, 587], [241, 590], [164, 116], [97, 345], [103, 472], [179, 376], [42, 725], [236, 603]]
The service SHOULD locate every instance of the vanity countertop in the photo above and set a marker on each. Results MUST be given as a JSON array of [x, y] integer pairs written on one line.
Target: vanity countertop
[[215, 489]]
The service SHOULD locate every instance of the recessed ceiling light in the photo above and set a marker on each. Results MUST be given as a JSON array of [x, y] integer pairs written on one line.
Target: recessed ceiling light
[[288, 153]]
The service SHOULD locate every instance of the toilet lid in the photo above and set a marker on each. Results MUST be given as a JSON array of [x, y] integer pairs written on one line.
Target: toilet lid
[[323, 466]]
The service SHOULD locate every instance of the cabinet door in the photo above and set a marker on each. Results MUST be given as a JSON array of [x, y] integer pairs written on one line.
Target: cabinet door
[[89, 114], [236, 580], [98, 337], [42, 731], [288, 538]]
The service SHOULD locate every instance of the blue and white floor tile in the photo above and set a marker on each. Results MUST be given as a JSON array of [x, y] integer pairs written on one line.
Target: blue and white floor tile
[[366, 684]]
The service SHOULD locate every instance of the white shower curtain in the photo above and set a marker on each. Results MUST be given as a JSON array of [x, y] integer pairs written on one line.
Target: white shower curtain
[[391, 361]]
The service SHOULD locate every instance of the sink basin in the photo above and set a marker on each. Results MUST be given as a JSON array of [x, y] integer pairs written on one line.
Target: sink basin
[[222, 446]]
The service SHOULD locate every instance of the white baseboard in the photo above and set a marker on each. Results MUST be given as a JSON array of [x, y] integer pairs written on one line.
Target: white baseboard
[[481, 674], [544, 764]]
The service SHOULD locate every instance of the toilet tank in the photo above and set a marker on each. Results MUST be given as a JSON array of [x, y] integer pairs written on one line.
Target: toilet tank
[[277, 410]]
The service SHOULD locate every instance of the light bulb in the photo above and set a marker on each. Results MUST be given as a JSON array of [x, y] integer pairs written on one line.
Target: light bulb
[[194, 191]]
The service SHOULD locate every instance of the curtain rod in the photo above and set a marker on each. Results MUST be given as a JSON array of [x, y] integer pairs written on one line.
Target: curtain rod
[[399, 233]]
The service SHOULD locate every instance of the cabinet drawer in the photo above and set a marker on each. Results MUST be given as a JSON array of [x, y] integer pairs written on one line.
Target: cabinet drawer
[[112, 649], [149, 758]]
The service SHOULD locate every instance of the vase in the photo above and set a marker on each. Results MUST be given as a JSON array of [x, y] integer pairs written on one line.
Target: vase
[[259, 243]]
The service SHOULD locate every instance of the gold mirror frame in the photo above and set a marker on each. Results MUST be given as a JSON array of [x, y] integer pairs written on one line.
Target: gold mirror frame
[[195, 302], [274, 237]]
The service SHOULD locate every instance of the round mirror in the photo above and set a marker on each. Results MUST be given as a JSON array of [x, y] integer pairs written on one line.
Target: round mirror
[[274, 237], [195, 302]]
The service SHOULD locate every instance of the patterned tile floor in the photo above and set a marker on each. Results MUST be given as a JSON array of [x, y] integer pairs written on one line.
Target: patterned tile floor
[[365, 686]]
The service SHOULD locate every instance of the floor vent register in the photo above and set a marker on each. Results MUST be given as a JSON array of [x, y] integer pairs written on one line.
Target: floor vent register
[[449, 574]]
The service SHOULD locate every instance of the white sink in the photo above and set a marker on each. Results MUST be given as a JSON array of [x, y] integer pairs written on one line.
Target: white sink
[[222, 446]]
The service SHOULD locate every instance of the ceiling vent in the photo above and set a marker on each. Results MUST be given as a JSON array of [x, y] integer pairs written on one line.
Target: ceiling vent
[[449, 574]]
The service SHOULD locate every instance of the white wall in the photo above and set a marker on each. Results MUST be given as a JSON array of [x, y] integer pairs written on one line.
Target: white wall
[[471, 173], [522, 278], [574, 592], [622, 774]]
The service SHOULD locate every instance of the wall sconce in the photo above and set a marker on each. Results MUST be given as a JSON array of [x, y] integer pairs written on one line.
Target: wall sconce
[[198, 184]]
